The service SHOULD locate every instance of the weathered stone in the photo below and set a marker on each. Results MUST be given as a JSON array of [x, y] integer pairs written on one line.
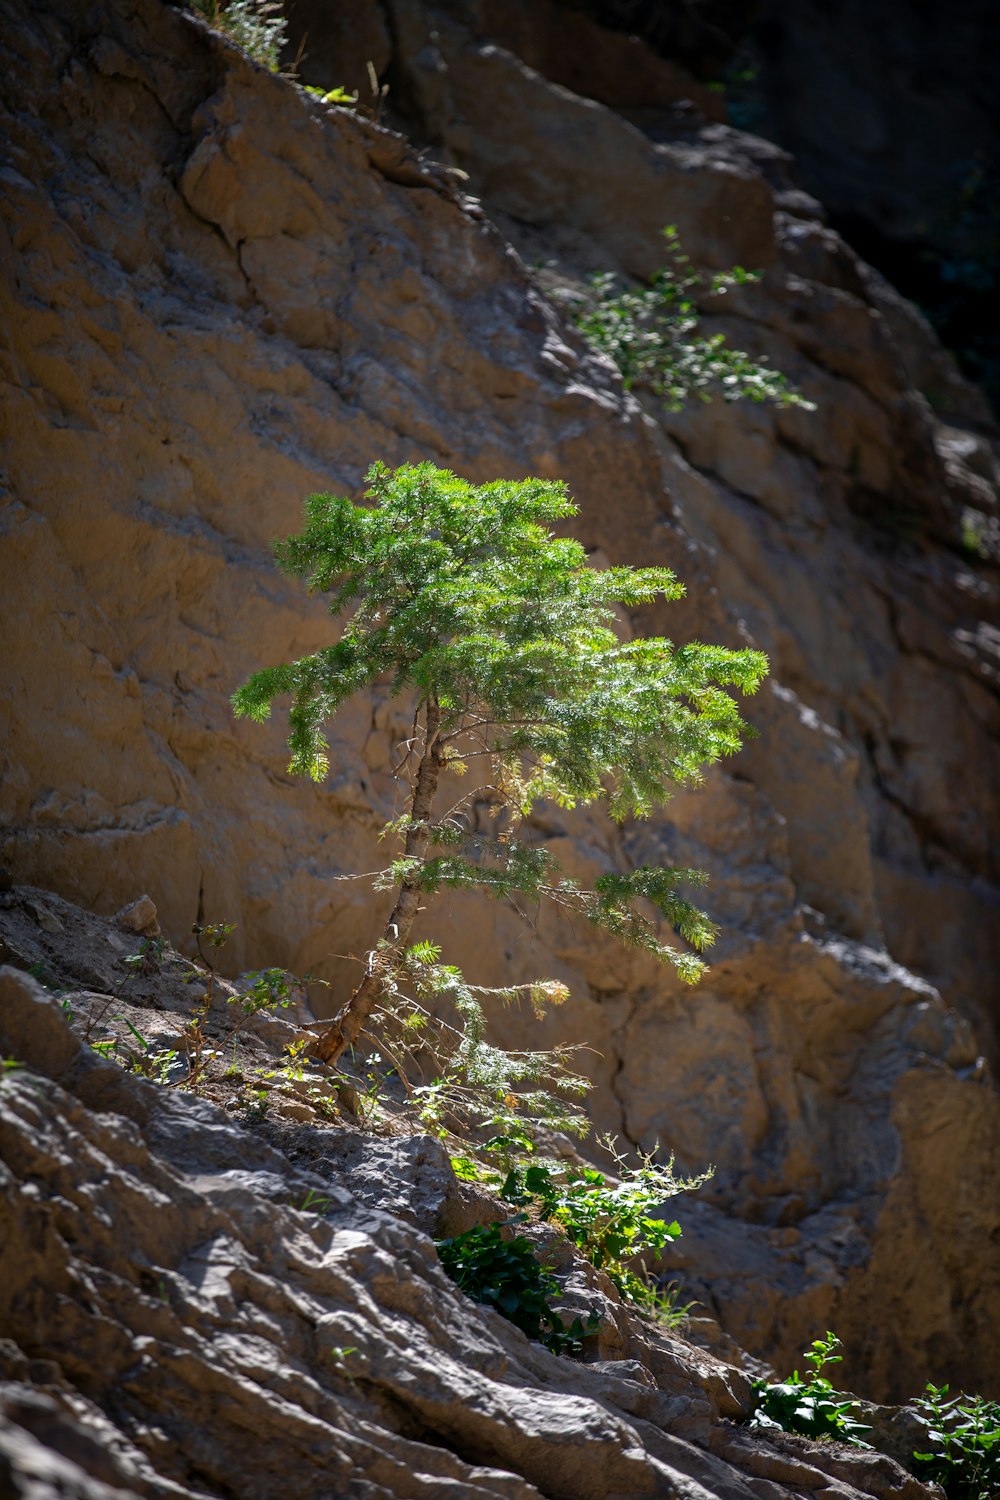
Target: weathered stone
[[46, 919], [187, 1312], [410, 1178], [139, 916], [28, 1015]]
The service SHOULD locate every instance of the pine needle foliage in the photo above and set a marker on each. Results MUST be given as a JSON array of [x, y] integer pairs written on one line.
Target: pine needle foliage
[[464, 598], [498, 1096]]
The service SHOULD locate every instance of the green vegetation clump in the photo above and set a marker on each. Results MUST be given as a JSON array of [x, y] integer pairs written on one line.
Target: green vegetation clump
[[258, 26], [651, 335], [504, 1273], [962, 1451], [810, 1404], [611, 1224]]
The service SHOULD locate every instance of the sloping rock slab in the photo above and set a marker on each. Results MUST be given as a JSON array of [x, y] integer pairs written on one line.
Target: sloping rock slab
[[174, 1327]]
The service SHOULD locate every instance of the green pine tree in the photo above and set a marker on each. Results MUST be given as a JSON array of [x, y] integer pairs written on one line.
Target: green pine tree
[[461, 596]]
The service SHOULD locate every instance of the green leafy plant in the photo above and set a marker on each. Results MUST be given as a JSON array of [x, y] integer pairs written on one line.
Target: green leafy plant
[[315, 1203], [155, 1063], [611, 1224], [215, 934], [150, 957], [293, 1077], [502, 636], [336, 95], [269, 990], [467, 1169], [375, 1078], [142, 1056], [272, 989], [256, 1103], [258, 26], [293, 1069], [504, 1273], [668, 1308], [651, 334], [962, 1452], [809, 1404]]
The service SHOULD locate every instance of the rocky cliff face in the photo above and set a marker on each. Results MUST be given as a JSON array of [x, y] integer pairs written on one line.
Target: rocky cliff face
[[220, 295], [190, 1307]]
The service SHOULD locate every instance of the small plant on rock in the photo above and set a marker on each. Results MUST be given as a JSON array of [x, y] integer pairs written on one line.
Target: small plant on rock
[[156, 1063], [149, 959], [269, 990], [611, 1224], [500, 635], [651, 334], [338, 95], [962, 1451], [258, 26], [809, 1404], [503, 1272]]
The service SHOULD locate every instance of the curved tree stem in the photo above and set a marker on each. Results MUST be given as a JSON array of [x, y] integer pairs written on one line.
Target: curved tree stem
[[347, 1025]]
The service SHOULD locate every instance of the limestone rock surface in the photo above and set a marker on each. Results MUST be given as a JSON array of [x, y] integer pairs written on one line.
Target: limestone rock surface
[[186, 1313], [218, 296]]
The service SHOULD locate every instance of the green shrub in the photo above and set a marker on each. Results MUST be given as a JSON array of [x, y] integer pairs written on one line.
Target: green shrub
[[651, 335], [610, 1225], [810, 1405], [962, 1452], [505, 1274]]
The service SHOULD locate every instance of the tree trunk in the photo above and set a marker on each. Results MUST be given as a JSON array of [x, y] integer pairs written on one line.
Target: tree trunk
[[347, 1025]]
